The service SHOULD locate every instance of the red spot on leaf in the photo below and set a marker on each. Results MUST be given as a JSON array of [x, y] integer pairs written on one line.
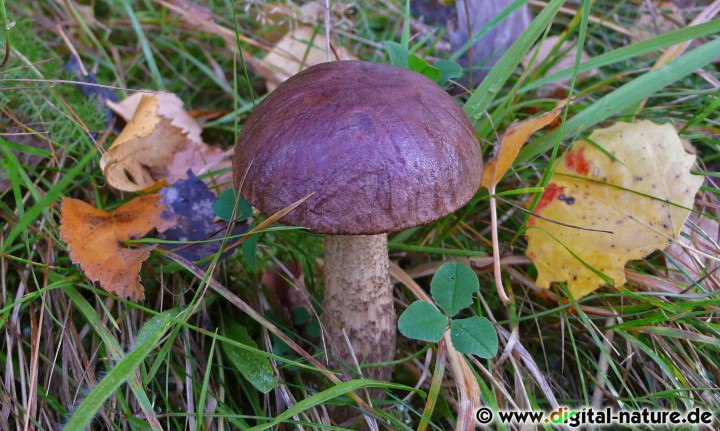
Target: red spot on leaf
[[576, 161], [552, 191]]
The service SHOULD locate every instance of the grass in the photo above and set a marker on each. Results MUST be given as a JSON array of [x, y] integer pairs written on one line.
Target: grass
[[73, 354]]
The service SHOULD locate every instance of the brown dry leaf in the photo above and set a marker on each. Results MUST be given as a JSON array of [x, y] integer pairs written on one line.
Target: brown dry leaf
[[202, 116], [637, 187], [95, 241], [301, 48], [126, 108], [201, 159], [161, 141], [515, 137], [567, 61]]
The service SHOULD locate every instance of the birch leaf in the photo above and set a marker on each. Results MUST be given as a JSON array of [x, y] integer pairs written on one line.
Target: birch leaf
[[95, 240], [632, 179]]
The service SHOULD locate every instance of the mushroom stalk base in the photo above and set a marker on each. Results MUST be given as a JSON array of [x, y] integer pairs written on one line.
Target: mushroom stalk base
[[359, 299]]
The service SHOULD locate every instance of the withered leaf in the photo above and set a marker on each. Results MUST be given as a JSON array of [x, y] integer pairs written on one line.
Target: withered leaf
[[95, 240], [160, 142], [509, 146]]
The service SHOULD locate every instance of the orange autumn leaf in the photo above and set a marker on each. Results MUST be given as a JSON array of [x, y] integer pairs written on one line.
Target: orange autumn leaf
[[631, 184], [95, 240], [515, 137]]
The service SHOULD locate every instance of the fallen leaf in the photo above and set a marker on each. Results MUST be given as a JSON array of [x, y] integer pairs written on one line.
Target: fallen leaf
[[202, 116], [144, 109], [301, 48], [566, 61], [632, 179], [161, 141], [505, 154], [514, 138], [203, 159], [126, 108], [189, 207], [95, 240]]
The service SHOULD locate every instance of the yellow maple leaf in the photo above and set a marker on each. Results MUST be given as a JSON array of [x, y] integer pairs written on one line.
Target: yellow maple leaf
[[631, 179]]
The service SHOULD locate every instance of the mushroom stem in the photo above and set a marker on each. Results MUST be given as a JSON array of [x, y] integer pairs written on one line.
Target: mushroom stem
[[359, 300]]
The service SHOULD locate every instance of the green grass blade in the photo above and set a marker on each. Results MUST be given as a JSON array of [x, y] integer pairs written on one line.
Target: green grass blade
[[60, 189], [631, 51], [405, 38], [147, 51], [627, 95], [149, 335], [113, 348], [6, 30], [205, 386]]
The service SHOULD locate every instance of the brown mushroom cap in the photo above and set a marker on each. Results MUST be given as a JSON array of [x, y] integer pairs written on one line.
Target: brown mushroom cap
[[381, 149]]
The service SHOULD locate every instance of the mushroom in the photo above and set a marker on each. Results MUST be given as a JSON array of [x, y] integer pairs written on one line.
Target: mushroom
[[377, 149]]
